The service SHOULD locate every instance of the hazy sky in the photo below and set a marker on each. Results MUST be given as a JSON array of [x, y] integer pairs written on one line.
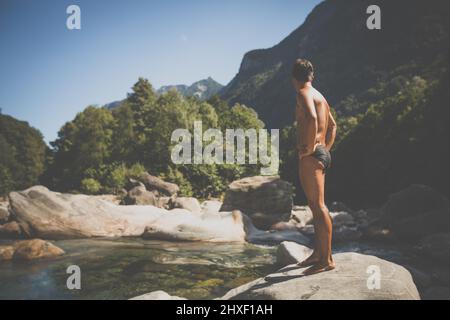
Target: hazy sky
[[49, 73]]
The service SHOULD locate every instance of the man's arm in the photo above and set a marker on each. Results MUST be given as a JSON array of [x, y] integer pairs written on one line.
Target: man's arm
[[310, 124], [331, 132]]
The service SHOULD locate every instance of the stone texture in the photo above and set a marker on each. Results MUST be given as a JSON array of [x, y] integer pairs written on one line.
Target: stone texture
[[4, 214], [273, 237], [211, 206], [50, 215], [302, 215], [177, 225], [266, 195], [410, 214], [6, 253], [187, 203], [153, 183], [35, 249], [11, 230], [53, 215], [30, 250], [140, 196], [347, 282], [291, 252]]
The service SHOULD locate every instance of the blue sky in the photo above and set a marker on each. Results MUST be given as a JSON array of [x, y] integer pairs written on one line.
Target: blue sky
[[49, 73]]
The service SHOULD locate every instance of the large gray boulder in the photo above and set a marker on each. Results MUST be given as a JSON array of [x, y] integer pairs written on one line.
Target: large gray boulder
[[52, 215], [353, 279], [187, 203], [211, 206], [4, 213], [153, 183], [291, 252], [263, 198], [140, 196], [176, 225], [11, 230], [413, 213], [413, 201], [44, 214]]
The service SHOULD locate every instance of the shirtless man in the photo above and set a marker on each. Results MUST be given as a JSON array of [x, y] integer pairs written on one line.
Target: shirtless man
[[316, 131]]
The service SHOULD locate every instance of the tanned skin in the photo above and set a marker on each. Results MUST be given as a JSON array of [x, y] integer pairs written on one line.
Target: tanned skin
[[315, 125]]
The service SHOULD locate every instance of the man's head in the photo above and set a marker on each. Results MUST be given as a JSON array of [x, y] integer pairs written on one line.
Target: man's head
[[302, 71]]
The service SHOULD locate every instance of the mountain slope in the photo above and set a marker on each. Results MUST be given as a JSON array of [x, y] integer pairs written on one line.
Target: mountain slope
[[203, 89], [348, 58]]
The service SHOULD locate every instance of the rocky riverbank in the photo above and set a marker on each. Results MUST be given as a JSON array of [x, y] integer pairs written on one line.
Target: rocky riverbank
[[257, 210]]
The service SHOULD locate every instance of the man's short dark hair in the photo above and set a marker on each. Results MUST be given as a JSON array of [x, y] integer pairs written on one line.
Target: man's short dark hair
[[303, 70]]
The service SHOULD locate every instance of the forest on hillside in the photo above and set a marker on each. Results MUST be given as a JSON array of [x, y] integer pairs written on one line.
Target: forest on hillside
[[388, 90]]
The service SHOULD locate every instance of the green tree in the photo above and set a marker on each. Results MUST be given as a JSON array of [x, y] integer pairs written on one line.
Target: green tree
[[22, 154]]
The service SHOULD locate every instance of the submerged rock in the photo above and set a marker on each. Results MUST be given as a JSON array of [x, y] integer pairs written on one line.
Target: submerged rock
[[36, 249], [157, 295], [351, 280], [6, 253], [30, 250]]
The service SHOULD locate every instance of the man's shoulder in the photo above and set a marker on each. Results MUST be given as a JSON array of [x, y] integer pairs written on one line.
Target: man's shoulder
[[304, 94]]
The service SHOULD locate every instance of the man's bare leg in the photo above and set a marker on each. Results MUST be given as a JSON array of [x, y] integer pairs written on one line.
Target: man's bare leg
[[315, 256], [312, 178]]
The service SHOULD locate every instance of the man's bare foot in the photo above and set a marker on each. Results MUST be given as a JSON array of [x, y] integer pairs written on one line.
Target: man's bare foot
[[311, 260], [319, 267]]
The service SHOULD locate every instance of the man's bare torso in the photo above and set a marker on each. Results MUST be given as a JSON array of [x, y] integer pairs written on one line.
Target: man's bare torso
[[306, 141]]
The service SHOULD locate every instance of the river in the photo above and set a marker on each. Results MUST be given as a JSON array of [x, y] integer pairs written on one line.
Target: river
[[124, 268]]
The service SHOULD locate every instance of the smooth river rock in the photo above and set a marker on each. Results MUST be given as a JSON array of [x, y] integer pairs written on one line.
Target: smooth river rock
[[265, 197], [351, 280], [44, 214], [291, 252], [11, 230], [4, 214], [176, 225], [187, 203], [52, 215], [140, 196], [30, 250], [153, 183]]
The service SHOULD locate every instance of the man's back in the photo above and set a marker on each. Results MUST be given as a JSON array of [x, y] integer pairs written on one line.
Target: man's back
[[311, 106]]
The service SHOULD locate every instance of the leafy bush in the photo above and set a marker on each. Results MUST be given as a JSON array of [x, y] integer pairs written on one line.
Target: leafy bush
[[90, 186]]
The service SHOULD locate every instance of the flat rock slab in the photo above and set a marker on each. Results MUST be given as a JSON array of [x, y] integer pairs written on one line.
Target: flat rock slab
[[353, 279]]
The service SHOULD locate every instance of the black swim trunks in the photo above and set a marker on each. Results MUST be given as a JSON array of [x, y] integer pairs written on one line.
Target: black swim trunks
[[323, 155]]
